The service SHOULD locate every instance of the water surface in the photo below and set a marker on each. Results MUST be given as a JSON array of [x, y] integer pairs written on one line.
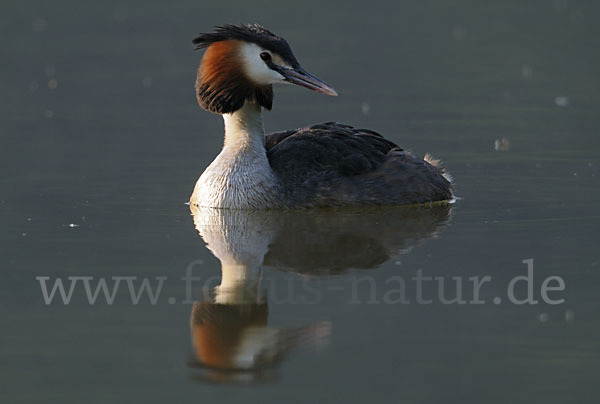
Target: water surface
[[102, 142]]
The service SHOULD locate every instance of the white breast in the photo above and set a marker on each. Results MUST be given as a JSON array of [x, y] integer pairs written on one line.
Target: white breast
[[241, 180]]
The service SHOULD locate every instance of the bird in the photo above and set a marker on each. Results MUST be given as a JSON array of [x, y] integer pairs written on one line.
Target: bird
[[323, 165]]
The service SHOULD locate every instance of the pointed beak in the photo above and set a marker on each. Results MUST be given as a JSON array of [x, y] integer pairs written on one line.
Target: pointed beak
[[303, 78]]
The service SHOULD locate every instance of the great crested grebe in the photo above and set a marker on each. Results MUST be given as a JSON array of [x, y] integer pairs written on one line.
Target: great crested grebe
[[329, 164]]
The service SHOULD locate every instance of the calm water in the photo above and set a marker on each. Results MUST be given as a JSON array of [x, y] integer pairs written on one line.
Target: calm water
[[102, 142]]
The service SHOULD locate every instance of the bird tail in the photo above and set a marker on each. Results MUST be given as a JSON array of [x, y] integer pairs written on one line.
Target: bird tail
[[437, 163]]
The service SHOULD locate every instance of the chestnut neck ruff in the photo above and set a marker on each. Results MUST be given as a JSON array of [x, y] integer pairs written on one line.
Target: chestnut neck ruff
[[221, 84]]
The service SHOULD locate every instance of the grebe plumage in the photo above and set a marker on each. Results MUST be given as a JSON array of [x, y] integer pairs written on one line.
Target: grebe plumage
[[329, 164]]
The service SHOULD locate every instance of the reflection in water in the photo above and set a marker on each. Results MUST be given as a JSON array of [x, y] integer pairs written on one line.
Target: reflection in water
[[231, 338], [233, 342]]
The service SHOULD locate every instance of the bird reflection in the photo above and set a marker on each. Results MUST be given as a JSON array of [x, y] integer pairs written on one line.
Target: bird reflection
[[231, 338]]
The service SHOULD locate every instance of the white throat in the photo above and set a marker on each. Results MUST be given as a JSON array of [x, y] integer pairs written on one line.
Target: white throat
[[240, 177], [244, 129]]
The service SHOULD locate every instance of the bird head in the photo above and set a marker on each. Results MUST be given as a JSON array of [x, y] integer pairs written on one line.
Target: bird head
[[242, 62]]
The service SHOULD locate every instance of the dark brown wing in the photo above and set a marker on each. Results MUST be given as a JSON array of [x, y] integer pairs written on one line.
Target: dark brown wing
[[335, 164]]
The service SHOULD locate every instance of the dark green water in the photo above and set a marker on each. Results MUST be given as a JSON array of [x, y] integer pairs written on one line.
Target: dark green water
[[100, 129]]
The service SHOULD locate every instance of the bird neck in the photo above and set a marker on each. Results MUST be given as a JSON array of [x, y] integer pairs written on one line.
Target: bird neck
[[240, 177], [244, 130]]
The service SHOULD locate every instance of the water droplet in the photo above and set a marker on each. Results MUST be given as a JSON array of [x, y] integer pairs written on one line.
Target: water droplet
[[544, 317], [49, 113], [365, 108], [147, 82], [526, 71], [52, 84], [502, 144], [569, 316], [561, 101]]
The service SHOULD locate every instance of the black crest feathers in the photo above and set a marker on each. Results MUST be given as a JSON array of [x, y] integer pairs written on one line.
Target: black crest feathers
[[248, 33]]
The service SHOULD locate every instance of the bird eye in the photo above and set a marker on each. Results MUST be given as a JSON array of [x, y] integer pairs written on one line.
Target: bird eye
[[265, 56]]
